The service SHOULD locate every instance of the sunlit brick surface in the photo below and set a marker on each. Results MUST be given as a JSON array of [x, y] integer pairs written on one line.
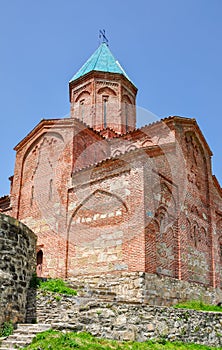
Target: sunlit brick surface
[[103, 200]]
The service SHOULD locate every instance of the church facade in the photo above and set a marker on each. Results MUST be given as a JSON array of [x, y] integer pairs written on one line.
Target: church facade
[[105, 197]]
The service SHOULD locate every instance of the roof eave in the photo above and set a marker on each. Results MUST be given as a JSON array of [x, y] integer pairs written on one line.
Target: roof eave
[[93, 73], [38, 127], [188, 121]]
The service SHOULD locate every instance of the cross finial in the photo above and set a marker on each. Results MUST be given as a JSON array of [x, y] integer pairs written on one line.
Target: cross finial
[[103, 37]]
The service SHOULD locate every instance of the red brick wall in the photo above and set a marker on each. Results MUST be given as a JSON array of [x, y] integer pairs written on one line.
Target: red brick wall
[[106, 220], [195, 217], [153, 207], [43, 165], [87, 96]]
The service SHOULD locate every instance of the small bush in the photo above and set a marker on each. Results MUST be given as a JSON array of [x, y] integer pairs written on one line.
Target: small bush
[[6, 329], [198, 305], [34, 282], [56, 286]]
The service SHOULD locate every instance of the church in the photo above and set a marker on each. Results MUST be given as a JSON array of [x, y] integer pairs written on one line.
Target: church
[[103, 196]]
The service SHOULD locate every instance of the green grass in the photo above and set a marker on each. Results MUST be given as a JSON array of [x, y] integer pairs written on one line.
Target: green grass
[[6, 329], [198, 305], [56, 286], [55, 340]]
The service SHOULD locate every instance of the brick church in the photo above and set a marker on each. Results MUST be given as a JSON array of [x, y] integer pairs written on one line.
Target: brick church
[[105, 197]]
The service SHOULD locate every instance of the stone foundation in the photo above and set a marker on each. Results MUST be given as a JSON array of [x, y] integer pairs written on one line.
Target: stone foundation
[[144, 288], [128, 321]]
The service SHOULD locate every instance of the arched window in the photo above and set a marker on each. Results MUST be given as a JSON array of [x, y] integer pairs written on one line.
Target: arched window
[[220, 250], [105, 101], [81, 109], [50, 189], [32, 196], [127, 109], [126, 113]]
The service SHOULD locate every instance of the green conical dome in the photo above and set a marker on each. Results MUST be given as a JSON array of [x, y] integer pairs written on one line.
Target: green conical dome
[[101, 60]]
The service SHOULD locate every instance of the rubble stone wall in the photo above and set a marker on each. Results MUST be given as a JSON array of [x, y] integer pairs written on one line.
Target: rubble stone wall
[[128, 321], [17, 264], [144, 287]]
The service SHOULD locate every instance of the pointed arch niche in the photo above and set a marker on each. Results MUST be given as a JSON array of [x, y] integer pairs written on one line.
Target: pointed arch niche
[[38, 167], [219, 235], [82, 106], [101, 208], [96, 231]]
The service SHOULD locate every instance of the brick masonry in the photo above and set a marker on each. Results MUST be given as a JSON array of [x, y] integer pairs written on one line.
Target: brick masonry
[[103, 200]]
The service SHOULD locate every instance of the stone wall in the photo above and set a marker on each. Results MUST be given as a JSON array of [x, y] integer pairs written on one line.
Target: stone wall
[[17, 264], [144, 287], [128, 321]]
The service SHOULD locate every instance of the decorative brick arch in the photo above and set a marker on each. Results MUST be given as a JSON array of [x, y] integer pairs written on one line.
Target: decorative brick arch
[[106, 90], [165, 205], [131, 148], [166, 252], [204, 236], [161, 212], [98, 212], [96, 227], [33, 151], [35, 143], [218, 250], [126, 99], [195, 233], [219, 235], [116, 153], [165, 194], [103, 196], [197, 169], [151, 231], [219, 227], [147, 142], [220, 247], [82, 95]]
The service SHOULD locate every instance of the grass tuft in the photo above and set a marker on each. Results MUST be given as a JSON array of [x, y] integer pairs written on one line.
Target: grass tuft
[[6, 329], [56, 340], [56, 286], [198, 305]]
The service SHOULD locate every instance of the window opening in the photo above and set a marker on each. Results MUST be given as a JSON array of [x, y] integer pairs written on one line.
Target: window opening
[[126, 113], [82, 109], [105, 100], [220, 250], [32, 196], [50, 189]]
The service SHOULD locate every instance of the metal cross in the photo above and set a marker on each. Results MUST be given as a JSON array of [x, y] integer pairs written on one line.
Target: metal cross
[[103, 36]]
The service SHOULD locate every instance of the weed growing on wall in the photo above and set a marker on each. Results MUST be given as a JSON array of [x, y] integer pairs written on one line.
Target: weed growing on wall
[[198, 305], [6, 329], [56, 286]]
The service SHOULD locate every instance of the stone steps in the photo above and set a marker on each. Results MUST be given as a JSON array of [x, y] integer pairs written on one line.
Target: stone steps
[[23, 335], [88, 292], [93, 290]]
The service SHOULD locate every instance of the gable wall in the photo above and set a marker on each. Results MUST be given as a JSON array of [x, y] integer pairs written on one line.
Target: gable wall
[[151, 209], [106, 218], [196, 207]]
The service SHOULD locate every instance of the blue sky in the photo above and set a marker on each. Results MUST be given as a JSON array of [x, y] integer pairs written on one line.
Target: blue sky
[[171, 49]]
